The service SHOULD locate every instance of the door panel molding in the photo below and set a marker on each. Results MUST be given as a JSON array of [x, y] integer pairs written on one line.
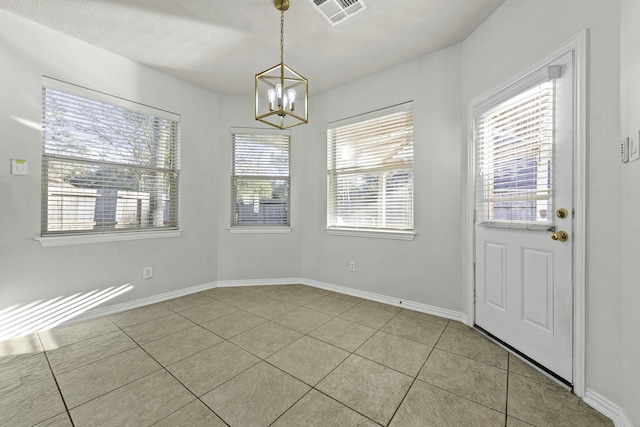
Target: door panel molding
[[579, 46], [537, 283], [496, 296]]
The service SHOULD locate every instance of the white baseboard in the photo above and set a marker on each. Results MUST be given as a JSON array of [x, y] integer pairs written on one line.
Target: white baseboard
[[398, 302], [130, 305], [607, 408], [257, 282]]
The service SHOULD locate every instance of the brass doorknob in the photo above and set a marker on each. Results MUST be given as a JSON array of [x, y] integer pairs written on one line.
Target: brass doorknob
[[561, 236]]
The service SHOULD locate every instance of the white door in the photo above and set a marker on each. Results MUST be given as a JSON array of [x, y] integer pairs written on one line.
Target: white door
[[523, 137]]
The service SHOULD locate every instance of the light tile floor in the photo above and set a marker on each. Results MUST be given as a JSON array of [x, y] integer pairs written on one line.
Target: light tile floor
[[275, 356]]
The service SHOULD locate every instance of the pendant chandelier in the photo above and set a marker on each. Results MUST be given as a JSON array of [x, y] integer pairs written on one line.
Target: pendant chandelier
[[281, 93]]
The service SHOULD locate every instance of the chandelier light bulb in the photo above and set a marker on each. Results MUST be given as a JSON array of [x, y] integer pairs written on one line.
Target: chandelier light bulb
[[279, 95], [285, 102], [272, 98], [291, 94]]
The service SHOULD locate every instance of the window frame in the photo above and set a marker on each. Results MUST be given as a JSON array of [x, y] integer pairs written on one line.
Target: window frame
[[259, 228], [50, 237], [332, 227], [546, 74]]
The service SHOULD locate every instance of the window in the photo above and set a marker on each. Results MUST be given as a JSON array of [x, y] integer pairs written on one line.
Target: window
[[370, 171], [108, 165], [260, 177], [514, 141]]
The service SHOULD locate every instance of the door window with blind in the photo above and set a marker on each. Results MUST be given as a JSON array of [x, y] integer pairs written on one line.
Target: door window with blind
[[260, 177], [514, 155], [370, 171], [108, 165]]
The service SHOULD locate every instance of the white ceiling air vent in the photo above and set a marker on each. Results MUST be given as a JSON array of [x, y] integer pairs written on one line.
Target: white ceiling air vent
[[337, 11]]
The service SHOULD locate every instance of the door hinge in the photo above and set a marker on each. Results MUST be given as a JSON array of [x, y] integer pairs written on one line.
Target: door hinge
[[474, 215], [474, 280]]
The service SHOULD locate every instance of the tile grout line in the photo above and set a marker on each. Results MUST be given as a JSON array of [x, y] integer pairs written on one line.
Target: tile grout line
[[180, 382], [162, 367], [418, 374], [347, 406], [121, 386], [506, 400], [473, 360], [55, 379], [351, 353], [224, 339], [354, 353], [259, 357], [313, 387], [255, 355], [464, 357], [294, 403], [228, 340], [97, 360], [332, 317]]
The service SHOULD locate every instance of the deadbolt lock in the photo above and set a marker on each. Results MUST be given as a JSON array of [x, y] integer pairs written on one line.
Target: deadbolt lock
[[562, 213], [561, 236]]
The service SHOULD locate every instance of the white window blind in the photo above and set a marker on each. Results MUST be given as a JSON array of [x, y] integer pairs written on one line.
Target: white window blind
[[370, 170], [514, 143], [108, 165], [260, 177]]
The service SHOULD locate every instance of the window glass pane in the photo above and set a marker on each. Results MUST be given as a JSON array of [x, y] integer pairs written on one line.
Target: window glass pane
[[263, 202], [106, 168], [260, 155], [370, 171], [515, 154], [382, 200], [260, 184], [91, 130]]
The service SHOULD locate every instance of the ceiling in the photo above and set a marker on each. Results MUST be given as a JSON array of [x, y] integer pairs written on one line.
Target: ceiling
[[221, 45]]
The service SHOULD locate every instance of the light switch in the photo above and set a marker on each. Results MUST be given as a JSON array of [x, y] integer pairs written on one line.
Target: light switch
[[18, 167], [634, 149]]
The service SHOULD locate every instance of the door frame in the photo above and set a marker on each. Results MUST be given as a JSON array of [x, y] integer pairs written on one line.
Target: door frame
[[579, 45]]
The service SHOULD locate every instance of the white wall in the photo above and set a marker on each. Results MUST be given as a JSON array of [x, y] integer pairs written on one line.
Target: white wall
[[519, 32], [428, 270], [630, 126], [424, 270], [30, 272], [255, 256]]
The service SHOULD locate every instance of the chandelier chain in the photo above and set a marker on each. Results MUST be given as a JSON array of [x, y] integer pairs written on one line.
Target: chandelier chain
[[282, 36]]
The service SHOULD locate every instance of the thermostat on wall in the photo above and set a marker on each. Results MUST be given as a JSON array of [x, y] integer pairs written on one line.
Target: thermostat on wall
[[18, 167]]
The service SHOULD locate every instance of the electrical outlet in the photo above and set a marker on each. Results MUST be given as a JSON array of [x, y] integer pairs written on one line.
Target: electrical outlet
[[352, 266], [147, 272]]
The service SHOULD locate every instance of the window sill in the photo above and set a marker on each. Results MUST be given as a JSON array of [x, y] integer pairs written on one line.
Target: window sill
[[259, 230], [376, 234], [516, 225], [105, 237]]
